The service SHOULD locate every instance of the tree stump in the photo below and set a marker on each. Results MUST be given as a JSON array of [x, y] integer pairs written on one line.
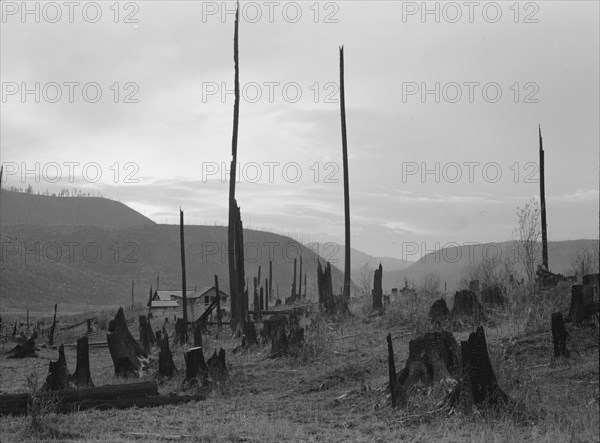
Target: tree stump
[[439, 313], [249, 338], [378, 290], [397, 393], [198, 334], [158, 335], [147, 337], [125, 351], [58, 375], [82, 378], [25, 349], [466, 308], [279, 343], [217, 367], [166, 367], [269, 326], [492, 296], [295, 340], [478, 386], [196, 370], [432, 357], [559, 335], [582, 303]]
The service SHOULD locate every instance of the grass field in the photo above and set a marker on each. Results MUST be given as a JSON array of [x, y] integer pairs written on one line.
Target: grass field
[[336, 390]]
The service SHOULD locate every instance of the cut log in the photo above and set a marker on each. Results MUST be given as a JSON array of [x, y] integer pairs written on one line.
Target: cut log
[[559, 335], [196, 370], [378, 290], [58, 375], [71, 400], [125, 351], [432, 357], [478, 386], [582, 303], [82, 378], [217, 367], [466, 308], [439, 313], [396, 392], [166, 366], [25, 349]]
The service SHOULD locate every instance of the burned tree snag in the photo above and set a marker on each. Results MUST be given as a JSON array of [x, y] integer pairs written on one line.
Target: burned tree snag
[[293, 294], [543, 204], [559, 335], [183, 279], [166, 367], [300, 279], [431, 358], [347, 266], [397, 393], [377, 290], [159, 339], [261, 301], [196, 370], [181, 331], [82, 378], [266, 294], [147, 337], [198, 334], [53, 327], [249, 338], [58, 375], [478, 386], [467, 308], [325, 288], [217, 367], [439, 312], [279, 344], [582, 303], [125, 351]]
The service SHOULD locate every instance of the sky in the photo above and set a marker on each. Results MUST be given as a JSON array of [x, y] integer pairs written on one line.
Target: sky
[[134, 101]]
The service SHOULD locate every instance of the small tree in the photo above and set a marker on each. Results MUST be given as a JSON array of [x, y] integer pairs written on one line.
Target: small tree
[[584, 261], [526, 238], [366, 278], [430, 285]]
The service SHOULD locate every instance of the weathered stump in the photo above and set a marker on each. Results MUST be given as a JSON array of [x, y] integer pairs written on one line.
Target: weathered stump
[[158, 335], [466, 308], [269, 326], [378, 290], [432, 357], [249, 338], [279, 343], [493, 296], [181, 332], [478, 386], [582, 303], [147, 337], [196, 370], [295, 340], [198, 334], [82, 378], [25, 349], [217, 367], [559, 335], [397, 393], [439, 312], [125, 351], [166, 367], [58, 375]]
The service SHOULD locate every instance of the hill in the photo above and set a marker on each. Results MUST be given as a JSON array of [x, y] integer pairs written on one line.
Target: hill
[[18, 208]]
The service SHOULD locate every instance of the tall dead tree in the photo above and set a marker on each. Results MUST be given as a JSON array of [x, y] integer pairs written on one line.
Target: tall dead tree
[[234, 234], [347, 269], [270, 280], [183, 279], [378, 290], [293, 294], [300, 279], [543, 204], [53, 327], [132, 286], [82, 377]]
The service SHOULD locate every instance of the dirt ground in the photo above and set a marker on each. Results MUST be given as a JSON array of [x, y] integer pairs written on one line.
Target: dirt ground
[[336, 390]]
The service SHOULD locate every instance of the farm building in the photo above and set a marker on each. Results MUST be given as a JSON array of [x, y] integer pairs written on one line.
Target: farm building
[[171, 301], [207, 296]]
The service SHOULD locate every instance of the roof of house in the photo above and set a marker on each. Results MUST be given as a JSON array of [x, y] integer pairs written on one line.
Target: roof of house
[[203, 291], [164, 304], [166, 295]]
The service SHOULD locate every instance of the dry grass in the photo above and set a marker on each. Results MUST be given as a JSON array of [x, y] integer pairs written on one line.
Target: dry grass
[[336, 388]]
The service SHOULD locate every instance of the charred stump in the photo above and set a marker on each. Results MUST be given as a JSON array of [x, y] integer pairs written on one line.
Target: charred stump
[[249, 338], [125, 351], [478, 386], [378, 290], [432, 357], [279, 343], [196, 370], [147, 337], [439, 312], [181, 331], [198, 334], [582, 303], [270, 325], [25, 349], [166, 367], [466, 308], [217, 367], [396, 392], [295, 340], [559, 335], [493, 296], [82, 377], [159, 338], [58, 375]]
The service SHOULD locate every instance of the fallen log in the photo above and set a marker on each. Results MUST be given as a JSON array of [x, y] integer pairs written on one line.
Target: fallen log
[[125, 351], [17, 403], [82, 378], [23, 350], [559, 335]]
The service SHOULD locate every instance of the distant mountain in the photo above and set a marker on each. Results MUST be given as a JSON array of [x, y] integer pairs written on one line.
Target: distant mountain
[[334, 253], [450, 263], [18, 208]]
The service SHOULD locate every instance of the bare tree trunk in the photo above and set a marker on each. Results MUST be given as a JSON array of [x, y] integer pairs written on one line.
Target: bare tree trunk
[[543, 204], [166, 367], [293, 294], [219, 313], [300, 279], [183, 279], [51, 337], [378, 290], [270, 280], [347, 267]]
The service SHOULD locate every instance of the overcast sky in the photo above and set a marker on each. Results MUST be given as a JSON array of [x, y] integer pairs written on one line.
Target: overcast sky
[[490, 74]]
